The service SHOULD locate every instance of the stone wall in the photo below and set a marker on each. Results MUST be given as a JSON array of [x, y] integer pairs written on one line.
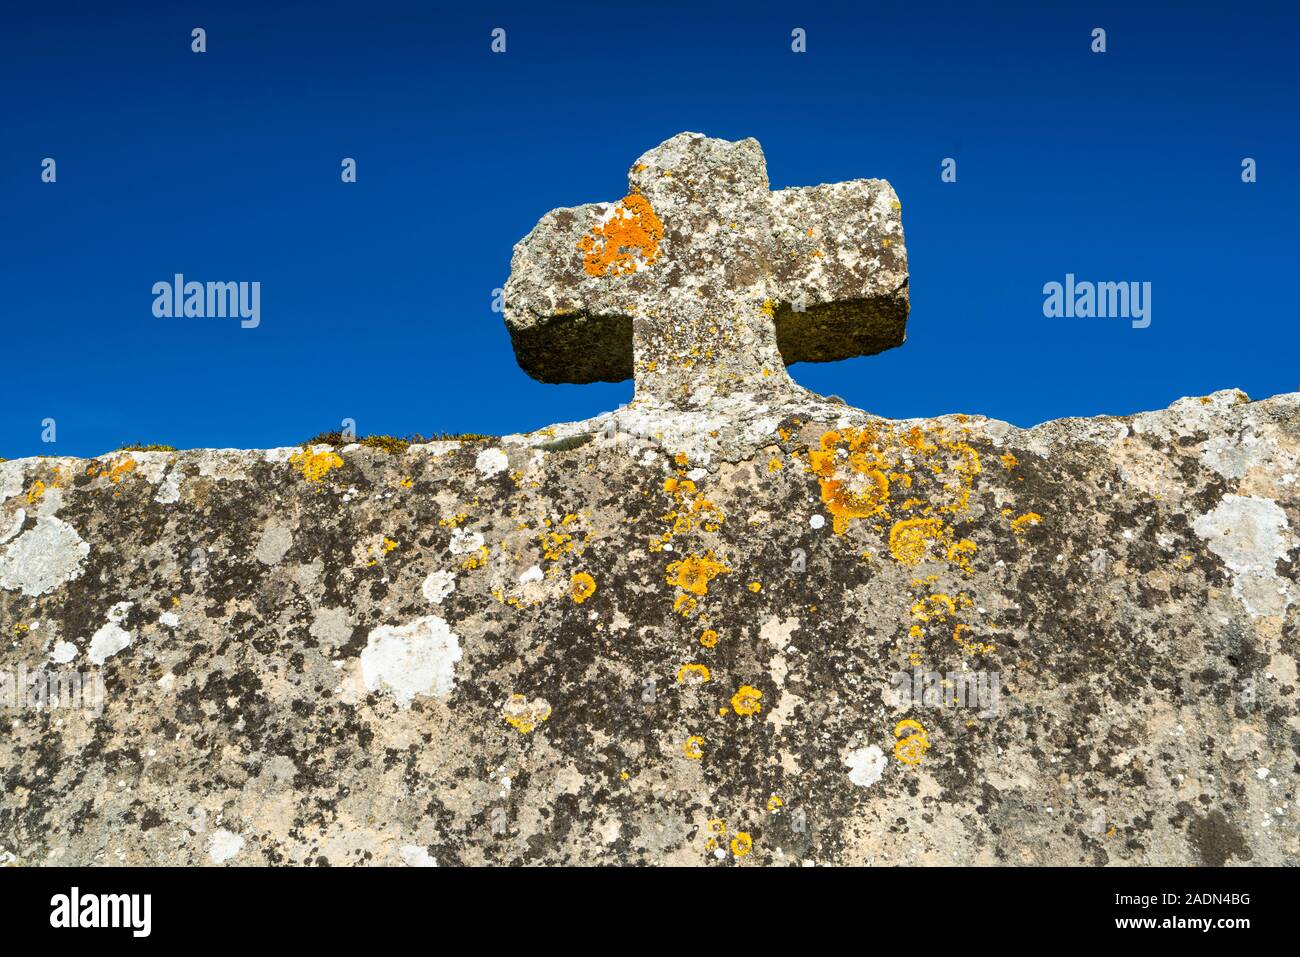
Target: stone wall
[[665, 638]]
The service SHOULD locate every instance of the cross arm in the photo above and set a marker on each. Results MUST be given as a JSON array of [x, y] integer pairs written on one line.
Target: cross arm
[[839, 255]]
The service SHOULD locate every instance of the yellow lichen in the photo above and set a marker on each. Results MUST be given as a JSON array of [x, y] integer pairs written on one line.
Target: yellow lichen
[[695, 673], [524, 715], [582, 587], [709, 639], [718, 828], [1021, 522], [314, 466], [961, 552], [746, 701], [911, 748], [35, 493], [555, 544], [693, 747], [741, 844], [936, 607]]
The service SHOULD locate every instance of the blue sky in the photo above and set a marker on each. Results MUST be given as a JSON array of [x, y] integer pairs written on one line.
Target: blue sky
[[376, 296]]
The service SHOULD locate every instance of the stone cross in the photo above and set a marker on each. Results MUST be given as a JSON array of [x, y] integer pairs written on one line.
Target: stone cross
[[702, 281]]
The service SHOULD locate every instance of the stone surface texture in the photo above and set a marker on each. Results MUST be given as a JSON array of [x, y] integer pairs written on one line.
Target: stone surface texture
[[354, 657]]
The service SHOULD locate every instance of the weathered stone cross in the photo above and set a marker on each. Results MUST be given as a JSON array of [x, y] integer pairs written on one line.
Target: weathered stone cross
[[702, 278]]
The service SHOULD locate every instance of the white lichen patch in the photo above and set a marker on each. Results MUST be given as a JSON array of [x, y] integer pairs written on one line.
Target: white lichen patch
[[491, 461], [111, 637], [229, 465], [11, 479], [224, 845], [465, 542], [152, 465], [1250, 535], [413, 855], [437, 586], [413, 659], [531, 574], [169, 490], [1232, 457], [276, 540], [43, 558], [331, 626], [436, 449], [865, 765], [63, 652], [50, 502]]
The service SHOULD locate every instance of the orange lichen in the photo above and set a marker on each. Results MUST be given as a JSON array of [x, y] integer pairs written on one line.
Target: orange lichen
[[582, 587], [694, 572], [857, 468], [121, 470], [709, 639], [909, 540], [624, 243]]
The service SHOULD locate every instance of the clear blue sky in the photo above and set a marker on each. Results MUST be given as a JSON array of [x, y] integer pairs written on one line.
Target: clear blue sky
[[376, 297]]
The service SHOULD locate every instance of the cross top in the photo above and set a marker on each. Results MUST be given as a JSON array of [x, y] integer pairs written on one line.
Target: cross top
[[703, 278]]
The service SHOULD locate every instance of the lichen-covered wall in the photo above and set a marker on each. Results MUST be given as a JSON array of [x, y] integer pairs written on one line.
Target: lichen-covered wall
[[667, 639]]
